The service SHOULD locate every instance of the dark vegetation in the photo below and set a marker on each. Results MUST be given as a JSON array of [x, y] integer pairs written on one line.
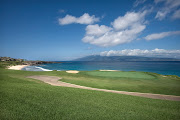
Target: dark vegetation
[[13, 61]]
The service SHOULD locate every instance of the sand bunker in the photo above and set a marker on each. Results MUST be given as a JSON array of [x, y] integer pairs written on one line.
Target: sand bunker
[[72, 71]]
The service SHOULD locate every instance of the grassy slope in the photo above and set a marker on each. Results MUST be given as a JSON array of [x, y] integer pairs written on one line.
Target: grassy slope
[[142, 81], [23, 98]]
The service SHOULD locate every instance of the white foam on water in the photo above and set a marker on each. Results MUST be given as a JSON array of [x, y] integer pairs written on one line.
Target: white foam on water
[[34, 68], [43, 69]]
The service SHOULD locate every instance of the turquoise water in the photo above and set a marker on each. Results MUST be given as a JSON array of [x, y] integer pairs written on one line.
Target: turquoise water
[[165, 68]]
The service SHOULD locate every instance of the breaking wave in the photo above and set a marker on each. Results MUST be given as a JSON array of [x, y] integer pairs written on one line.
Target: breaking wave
[[34, 68]]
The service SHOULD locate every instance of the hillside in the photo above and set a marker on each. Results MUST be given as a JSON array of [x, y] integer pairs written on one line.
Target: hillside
[[123, 58], [5, 61]]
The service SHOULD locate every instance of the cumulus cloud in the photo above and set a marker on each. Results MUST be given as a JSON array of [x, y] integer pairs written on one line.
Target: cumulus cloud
[[168, 7], [124, 29], [97, 30], [147, 53], [128, 20], [84, 19], [161, 35]]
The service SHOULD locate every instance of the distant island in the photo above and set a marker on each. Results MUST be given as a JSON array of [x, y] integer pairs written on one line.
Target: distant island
[[123, 58]]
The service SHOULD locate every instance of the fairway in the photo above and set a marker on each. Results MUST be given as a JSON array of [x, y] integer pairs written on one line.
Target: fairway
[[25, 98], [53, 80], [144, 82]]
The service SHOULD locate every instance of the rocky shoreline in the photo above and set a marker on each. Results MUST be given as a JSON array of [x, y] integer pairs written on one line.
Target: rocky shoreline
[[30, 63], [25, 62]]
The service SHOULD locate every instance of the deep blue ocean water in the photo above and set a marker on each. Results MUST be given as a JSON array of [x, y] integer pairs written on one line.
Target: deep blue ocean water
[[165, 68]]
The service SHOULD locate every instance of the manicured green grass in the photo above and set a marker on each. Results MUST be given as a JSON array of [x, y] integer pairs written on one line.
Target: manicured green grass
[[27, 99], [144, 82], [122, 74]]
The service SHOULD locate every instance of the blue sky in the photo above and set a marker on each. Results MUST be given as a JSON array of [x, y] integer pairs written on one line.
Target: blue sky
[[65, 30]]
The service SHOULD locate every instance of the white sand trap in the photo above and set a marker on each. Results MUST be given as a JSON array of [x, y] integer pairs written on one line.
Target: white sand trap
[[108, 70], [72, 71], [17, 67]]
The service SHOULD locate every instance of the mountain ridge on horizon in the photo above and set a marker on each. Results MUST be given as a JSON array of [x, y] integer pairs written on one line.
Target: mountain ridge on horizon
[[123, 58]]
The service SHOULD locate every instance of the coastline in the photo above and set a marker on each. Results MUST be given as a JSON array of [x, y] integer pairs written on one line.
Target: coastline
[[20, 67], [17, 67]]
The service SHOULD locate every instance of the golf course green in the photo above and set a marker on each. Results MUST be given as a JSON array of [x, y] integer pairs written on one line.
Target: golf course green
[[144, 82]]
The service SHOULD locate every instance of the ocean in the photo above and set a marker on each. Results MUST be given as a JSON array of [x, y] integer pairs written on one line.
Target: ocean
[[165, 68]]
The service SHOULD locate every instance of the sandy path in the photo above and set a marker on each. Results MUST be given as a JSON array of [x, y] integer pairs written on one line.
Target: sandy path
[[53, 80]]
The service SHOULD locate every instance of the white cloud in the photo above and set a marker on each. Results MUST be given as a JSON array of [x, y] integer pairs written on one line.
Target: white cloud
[[62, 11], [168, 7], [161, 14], [161, 35], [158, 1], [125, 29], [84, 19], [129, 19], [169, 3], [138, 2], [176, 14], [97, 30], [147, 53]]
